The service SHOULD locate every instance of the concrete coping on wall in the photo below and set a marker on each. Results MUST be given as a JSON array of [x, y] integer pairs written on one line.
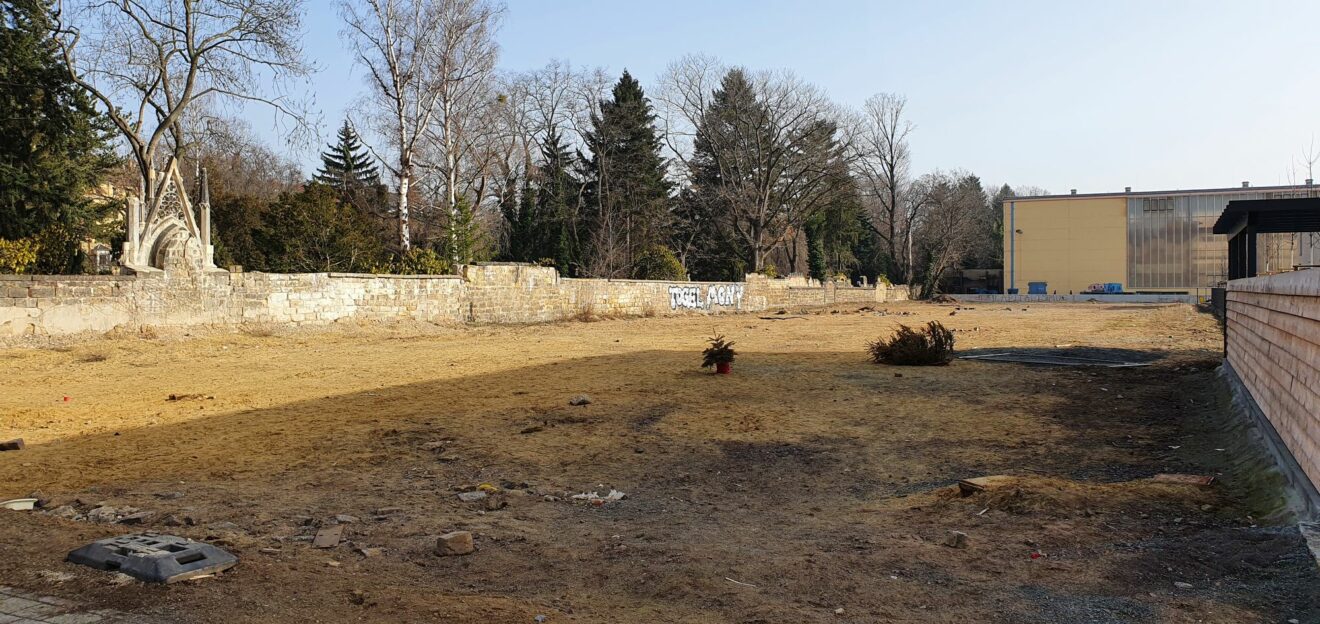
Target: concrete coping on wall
[[67, 278], [646, 281], [1304, 283], [83, 278], [386, 276]]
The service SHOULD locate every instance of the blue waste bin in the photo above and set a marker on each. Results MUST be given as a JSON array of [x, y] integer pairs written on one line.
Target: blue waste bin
[[1037, 288]]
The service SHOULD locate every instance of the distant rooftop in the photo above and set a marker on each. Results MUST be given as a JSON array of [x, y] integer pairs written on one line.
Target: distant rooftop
[[1205, 191]]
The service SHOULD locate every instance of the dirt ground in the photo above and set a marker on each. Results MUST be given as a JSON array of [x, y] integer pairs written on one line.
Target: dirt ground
[[808, 486]]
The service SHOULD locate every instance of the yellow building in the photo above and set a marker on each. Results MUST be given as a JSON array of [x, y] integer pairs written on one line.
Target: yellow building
[[1156, 241]]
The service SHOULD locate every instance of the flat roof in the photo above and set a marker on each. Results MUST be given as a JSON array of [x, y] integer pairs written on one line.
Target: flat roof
[[1206, 191], [1296, 214]]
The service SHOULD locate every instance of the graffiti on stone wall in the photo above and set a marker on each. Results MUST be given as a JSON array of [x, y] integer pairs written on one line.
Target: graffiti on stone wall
[[689, 297]]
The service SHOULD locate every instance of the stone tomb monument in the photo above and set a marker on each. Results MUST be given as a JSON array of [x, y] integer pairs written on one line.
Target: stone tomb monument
[[167, 234]]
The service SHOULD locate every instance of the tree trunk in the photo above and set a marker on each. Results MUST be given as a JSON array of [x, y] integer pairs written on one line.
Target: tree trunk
[[405, 236], [451, 181]]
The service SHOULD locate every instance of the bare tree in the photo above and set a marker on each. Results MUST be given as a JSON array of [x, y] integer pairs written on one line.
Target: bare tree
[[148, 62], [466, 58], [948, 225], [764, 149], [400, 43], [684, 95], [883, 168]]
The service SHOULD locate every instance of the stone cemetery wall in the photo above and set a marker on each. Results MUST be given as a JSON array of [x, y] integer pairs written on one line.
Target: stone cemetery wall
[[48, 305]]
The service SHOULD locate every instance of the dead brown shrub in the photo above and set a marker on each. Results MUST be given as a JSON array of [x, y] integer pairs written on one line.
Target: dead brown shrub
[[932, 346]]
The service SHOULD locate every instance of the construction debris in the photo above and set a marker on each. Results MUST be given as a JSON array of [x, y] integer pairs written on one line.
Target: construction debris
[[154, 558], [454, 543], [596, 499], [580, 399], [12, 445], [328, 536], [956, 539]]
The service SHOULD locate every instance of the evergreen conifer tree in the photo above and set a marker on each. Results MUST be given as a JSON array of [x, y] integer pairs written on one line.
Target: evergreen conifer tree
[[54, 145], [352, 172], [627, 187], [713, 249], [558, 203], [347, 166]]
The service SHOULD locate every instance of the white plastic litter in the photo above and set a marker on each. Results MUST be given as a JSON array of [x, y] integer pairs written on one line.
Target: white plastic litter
[[614, 495]]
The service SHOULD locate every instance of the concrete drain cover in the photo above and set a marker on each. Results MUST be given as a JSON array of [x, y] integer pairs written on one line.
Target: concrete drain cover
[[153, 557]]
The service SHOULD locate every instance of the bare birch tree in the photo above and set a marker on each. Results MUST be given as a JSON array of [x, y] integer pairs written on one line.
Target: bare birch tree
[[399, 43], [149, 61], [466, 59]]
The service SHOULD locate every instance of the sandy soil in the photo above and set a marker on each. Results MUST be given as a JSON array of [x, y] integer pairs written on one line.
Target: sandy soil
[[808, 486]]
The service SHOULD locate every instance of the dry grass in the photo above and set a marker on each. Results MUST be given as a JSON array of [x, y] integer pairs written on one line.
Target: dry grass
[[809, 474]]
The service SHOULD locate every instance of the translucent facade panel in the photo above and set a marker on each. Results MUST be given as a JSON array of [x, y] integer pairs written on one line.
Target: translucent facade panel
[[1170, 244]]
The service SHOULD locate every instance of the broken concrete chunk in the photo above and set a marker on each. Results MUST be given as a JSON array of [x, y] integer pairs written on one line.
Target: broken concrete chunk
[[956, 539], [454, 543], [345, 519], [137, 518], [107, 515], [67, 512], [328, 537], [12, 445], [472, 497], [580, 399]]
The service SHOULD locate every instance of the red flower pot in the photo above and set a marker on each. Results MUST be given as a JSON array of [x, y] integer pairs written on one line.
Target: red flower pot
[[723, 368]]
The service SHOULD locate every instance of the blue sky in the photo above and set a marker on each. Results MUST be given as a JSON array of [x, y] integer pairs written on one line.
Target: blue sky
[[1093, 96]]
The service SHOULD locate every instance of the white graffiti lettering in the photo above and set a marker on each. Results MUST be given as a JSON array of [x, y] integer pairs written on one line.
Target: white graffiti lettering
[[719, 295]]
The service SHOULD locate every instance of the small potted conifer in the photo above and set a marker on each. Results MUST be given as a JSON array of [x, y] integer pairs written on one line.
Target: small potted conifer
[[719, 354]]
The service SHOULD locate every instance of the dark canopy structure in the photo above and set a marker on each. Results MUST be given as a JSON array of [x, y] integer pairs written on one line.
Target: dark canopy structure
[[1243, 219]]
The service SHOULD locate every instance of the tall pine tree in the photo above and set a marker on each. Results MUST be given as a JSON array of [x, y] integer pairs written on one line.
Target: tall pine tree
[[54, 145], [724, 173], [347, 165], [626, 189], [352, 172], [558, 206], [544, 220]]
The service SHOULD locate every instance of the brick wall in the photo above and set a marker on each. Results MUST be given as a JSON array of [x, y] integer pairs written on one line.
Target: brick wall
[[1273, 344], [497, 293]]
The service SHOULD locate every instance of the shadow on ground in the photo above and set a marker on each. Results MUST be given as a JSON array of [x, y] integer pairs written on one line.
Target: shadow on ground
[[799, 485]]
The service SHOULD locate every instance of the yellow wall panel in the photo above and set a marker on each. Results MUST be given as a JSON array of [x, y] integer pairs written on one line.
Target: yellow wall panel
[[1068, 243]]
